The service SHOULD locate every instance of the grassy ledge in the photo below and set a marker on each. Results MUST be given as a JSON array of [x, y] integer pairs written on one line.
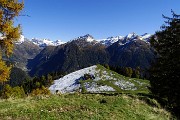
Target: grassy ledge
[[81, 106]]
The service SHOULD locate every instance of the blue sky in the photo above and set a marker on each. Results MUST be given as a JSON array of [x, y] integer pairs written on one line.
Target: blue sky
[[68, 19]]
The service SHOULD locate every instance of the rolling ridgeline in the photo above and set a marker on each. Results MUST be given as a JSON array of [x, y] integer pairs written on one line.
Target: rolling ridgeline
[[129, 51]]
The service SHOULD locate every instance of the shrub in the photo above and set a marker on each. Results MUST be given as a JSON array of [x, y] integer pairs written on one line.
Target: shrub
[[83, 90], [18, 92], [15, 92], [40, 91]]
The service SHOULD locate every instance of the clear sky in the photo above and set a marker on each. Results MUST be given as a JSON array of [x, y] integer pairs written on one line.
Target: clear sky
[[68, 19]]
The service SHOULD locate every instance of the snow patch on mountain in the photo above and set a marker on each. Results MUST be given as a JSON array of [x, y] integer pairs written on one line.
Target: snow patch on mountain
[[96, 88], [74, 81], [69, 82], [125, 85]]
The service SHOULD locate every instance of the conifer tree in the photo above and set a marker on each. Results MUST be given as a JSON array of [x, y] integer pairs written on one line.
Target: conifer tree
[[165, 73], [9, 33], [128, 71], [136, 73]]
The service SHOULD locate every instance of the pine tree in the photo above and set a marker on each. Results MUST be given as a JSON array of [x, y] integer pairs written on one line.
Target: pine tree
[[128, 71], [49, 79], [9, 9], [136, 72], [165, 73]]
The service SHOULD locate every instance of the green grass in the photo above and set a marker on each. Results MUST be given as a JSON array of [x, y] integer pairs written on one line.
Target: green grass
[[112, 105], [81, 107]]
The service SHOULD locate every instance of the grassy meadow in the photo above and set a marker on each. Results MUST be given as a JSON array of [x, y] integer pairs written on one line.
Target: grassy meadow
[[83, 107]]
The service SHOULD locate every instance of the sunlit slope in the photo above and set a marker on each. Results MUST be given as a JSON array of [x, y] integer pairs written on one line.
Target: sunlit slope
[[97, 79]]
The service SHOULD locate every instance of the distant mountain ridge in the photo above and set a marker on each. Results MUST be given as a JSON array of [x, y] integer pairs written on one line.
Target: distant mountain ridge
[[46, 42], [110, 40], [89, 38], [43, 56], [40, 42], [129, 51]]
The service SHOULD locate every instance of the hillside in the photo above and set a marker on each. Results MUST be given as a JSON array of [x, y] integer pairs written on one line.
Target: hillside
[[135, 53], [97, 79], [69, 57], [90, 93], [24, 52], [36, 55], [129, 51], [81, 107]]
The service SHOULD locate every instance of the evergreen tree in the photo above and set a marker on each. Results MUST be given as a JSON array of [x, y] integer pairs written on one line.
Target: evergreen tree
[[165, 73], [49, 79], [128, 71], [9, 9], [17, 77], [43, 80], [136, 73]]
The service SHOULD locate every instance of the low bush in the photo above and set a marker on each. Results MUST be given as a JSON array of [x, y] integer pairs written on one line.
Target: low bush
[[12, 92], [40, 91]]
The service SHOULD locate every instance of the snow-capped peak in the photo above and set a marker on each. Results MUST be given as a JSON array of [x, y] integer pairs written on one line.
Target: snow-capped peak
[[124, 40], [46, 42], [87, 37], [40, 42], [131, 35], [110, 40]]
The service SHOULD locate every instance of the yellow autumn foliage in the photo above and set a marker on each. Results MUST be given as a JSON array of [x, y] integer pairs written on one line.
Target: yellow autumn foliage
[[4, 71], [9, 33]]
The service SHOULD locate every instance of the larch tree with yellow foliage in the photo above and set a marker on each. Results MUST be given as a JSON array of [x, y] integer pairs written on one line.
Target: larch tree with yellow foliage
[[9, 9]]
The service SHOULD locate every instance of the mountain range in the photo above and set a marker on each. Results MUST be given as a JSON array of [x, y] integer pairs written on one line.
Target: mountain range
[[42, 56], [89, 38], [40, 42]]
